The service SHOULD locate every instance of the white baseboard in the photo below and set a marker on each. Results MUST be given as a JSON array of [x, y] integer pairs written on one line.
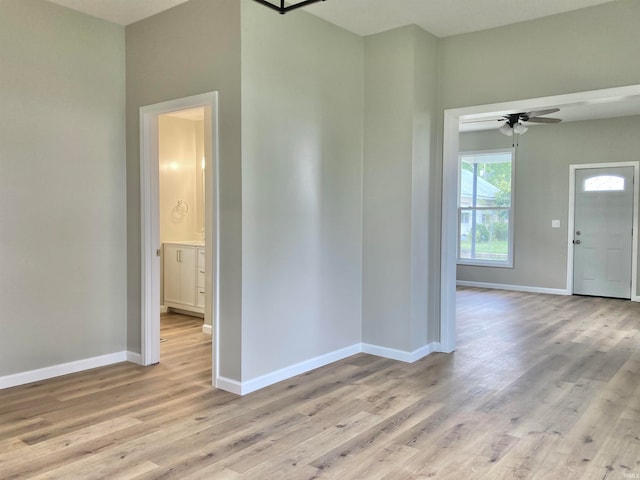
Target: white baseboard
[[229, 385], [134, 357], [206, 329], [400, 355], [515, 288], [243, 388], [164, 309], [62, 369]]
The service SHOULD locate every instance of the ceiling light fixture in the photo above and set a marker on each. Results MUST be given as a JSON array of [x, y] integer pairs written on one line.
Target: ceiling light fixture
[[506, 129], [282, 9], [513, 125], [519, 128]]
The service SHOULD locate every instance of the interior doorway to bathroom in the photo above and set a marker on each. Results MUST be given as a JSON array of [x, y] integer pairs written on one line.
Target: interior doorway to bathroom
[[179, 217], [181, 171], [181, 175]]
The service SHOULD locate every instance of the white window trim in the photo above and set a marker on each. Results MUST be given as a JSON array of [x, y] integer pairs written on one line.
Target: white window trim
[[489, 263]]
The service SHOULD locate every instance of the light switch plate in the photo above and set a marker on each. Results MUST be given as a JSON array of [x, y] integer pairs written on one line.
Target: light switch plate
[[555, 223]]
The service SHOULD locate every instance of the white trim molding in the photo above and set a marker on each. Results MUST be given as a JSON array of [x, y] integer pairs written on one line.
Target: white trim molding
[[249, 386], [53, 371], [514, 288], [297, 369], [401, 355], [150, 230], [206, 329], [134, 357], [230, 385], [223, 383]]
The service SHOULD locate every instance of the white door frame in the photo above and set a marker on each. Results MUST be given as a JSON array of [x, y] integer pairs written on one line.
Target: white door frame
[[150, 222], [450, 184], [571, 220]]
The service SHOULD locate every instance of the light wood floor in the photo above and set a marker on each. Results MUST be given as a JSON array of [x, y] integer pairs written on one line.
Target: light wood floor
[[541, 387]]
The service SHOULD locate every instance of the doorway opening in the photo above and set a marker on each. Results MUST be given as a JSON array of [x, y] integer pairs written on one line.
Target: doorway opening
[[450, 155], [181, 216], [185, 169], [182, 212]]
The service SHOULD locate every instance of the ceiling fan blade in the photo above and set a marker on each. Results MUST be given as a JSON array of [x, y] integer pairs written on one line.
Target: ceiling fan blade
[[543, 120], [539, 113], [484, 120]]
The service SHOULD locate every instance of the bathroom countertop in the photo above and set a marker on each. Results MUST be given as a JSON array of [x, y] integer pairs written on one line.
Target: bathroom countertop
[[195, 243]]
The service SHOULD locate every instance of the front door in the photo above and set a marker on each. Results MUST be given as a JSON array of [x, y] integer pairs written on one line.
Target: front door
[[602, 240]]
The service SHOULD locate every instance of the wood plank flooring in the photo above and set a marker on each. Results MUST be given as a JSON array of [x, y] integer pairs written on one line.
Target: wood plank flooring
[[541, 387]]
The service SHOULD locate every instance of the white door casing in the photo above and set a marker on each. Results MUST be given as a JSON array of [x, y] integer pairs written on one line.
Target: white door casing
[[150, 230]]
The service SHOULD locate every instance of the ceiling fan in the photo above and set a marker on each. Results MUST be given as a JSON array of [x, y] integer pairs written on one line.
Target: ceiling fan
[[513, 122], [283, 8]]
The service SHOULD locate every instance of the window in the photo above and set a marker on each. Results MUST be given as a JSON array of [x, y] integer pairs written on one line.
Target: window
[[604, 183], [485, 214]]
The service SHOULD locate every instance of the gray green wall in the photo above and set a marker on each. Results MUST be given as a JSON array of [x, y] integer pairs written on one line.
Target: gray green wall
[[190, 49], [302, 129], [399, 157], [62, 187], [542, 192], [582, 50]]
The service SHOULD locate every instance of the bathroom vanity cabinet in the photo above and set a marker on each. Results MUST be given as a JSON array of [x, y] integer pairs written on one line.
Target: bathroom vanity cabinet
[[183, 276]]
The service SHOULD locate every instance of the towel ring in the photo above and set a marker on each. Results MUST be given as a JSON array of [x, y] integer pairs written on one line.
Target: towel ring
[[182, 208]]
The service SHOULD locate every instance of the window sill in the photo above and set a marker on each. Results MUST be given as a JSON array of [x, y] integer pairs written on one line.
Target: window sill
[[472, 263]]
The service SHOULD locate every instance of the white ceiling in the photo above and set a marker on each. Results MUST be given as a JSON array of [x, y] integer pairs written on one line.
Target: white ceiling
[[122, 12], [364, 17], [194, 114], [439, 17]]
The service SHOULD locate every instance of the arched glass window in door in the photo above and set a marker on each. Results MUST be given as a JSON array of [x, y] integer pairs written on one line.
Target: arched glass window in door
[[604, 183]]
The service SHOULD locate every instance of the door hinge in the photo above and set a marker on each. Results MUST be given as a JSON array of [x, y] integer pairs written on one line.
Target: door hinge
[[157, 252]]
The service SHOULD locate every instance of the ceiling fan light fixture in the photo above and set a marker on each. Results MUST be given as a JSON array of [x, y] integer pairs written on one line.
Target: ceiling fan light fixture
[[282, 8], [519, 128], [512, 123], [506, 130]]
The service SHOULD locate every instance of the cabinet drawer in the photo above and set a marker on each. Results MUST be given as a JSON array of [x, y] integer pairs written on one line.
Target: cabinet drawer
[[200, 273], [201, 258]]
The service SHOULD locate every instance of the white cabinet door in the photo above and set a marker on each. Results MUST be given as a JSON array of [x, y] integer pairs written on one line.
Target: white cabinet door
[[200, 277], [188, 275], [172, 273], [180, 277]]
